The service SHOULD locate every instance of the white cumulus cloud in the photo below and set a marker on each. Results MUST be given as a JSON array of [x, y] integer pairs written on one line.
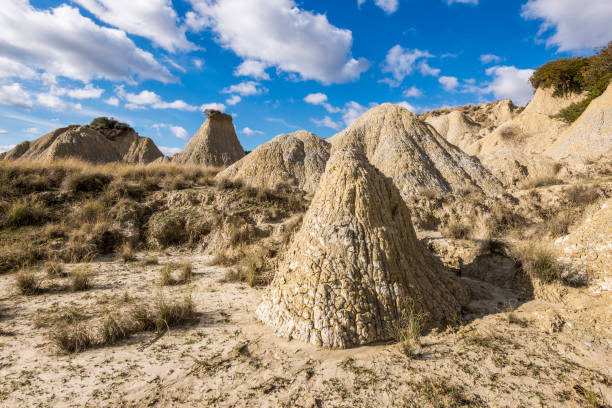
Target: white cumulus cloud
[[449, 2], [152, 19], [169, 151], [150, 99], [244, 89], [572, 24], [279, 33], [6, 148], [401, 62], [320, 99], [510, 82], [15, 95], [62, 42], [250, 132], [412, 92], [449, 83], [327, 122], [213, 106], [233, 100], [252, 68], [388, 6], [489, 58]]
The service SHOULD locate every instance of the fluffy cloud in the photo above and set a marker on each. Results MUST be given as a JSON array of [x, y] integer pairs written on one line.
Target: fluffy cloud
[[14, 69], [213, 106], [177, 131], [412, 92], [254, 69], [576, 24], [113, 101], [401, 62], [279, 33], [62, 42], [233, 100], [169, 151], [50, 101], [6, 148], [449, 83], [320, 99], [15, 95], [510, 82], [327, 122], [388, 6], [88, 92], [3, 132], [489, 58], [244, 89], [250, 132], [152, 19], [146, 99]]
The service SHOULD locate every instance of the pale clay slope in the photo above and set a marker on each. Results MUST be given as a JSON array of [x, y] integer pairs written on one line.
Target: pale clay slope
[[533, 129], [413, 154], [88, 144], [465, 125], [590, 136], [299, 156], [354, 263], [589, 247], [215, 143]]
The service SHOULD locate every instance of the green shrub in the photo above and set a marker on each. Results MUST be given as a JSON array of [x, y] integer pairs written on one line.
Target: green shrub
[[563, 74], [109, 123]]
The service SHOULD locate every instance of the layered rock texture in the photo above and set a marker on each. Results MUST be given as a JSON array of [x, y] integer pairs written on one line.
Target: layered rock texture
[[215, 144], [298, 158], [413, 154], [89, 144], [588, 249], [356, 263]]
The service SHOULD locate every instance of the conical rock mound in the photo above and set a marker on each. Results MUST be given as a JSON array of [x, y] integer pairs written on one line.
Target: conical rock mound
[[413, 154], [354, 263], [298, 157], [215, 144], [89, 144]]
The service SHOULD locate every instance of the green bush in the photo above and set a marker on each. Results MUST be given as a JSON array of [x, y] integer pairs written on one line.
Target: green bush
[[109, 123], [592, 75]]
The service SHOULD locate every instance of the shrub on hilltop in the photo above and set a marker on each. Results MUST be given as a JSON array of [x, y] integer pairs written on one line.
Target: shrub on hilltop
[[109, 123]]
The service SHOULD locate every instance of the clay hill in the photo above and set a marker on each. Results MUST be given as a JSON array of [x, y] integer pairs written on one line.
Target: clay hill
[[466, 125], [355, 263], [299, 157], [413, 154], [531, 142], [215, 143], [92, 143]]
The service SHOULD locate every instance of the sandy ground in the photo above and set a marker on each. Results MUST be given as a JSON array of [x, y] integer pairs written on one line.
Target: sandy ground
[[227, 358]]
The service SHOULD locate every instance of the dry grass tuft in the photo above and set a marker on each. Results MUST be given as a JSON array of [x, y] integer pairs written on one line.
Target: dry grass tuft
[[581, 196], [71, 338], [115, 327], [55, 270], [407, 331], [22, 214], [162, 313], [457, 230], [27, 282], [185, 274], [539, 181], [80, 280], [539, 261], [127, 253]]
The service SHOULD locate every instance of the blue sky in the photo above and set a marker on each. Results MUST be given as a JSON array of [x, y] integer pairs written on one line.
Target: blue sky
[[276, 65]]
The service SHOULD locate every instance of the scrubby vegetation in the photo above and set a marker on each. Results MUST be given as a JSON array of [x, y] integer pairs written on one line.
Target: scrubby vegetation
[[69, 211], [109, 123], [591, 75]]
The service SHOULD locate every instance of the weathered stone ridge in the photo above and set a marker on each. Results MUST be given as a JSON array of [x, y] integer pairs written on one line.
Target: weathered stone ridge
[[299, 157]]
